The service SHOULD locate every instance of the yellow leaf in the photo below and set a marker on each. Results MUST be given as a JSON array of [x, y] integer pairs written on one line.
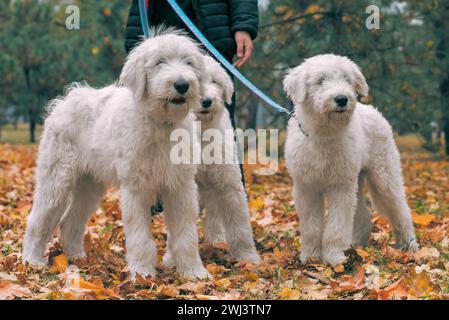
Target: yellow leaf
[[107, 12], [278, 253], [340, 268], [312, 9], [59, 264], [250, 285], [204, 297], [251, 276], [223, 283], [95, 51], [87, 285], [289, 294], [422, 286], [167, 291], [256, 203], [362, 253], [423, 219]]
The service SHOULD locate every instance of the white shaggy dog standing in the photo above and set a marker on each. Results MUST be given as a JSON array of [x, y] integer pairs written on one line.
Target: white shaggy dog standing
[[120, 136], [334, 145], [220, 185]]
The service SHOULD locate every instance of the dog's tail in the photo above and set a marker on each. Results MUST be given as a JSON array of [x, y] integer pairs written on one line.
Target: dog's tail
[[68, 90]]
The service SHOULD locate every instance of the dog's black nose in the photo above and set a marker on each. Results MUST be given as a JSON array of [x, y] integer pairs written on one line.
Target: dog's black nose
[[341, 100], [181, 86], [206, 103]]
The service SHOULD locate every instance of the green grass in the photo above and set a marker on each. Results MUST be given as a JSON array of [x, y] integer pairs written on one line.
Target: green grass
[[21, 135]]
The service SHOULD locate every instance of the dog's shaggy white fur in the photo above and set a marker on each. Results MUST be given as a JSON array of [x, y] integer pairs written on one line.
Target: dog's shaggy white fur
[[340, 145], [119, 135], [220, 185]]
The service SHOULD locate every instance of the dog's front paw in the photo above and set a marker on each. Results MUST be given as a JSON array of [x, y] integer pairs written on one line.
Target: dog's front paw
[[34, 260], [195, 273], [411, 244], [334, 257], [308, 256]]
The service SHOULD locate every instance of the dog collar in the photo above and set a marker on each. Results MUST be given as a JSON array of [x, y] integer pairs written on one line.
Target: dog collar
[[301, 128]]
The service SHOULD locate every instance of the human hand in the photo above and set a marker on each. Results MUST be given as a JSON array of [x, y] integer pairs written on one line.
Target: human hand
[[244, 48]]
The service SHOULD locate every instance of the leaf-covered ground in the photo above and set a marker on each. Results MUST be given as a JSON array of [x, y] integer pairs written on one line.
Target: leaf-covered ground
[[376, 272]]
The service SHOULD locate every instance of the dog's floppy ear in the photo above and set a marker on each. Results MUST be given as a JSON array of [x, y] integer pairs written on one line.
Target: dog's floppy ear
[[133, 76], [360, 85], [295, 84]]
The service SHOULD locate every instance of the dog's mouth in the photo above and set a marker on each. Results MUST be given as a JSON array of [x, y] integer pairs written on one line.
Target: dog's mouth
[[341, 110], [203, 111], [177, 100]]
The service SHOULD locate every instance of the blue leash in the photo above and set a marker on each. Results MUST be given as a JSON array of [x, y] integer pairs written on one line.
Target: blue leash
[[212, 50]]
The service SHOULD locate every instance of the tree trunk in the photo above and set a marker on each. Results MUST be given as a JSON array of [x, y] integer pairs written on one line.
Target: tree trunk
[[446, 135], [444, 89], [31, 108], [32, 128]]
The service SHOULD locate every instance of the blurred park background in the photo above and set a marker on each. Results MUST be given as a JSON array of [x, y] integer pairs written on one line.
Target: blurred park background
[[406, 61]]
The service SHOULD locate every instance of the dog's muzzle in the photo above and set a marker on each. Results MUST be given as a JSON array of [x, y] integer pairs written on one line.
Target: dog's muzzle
[[206, 103]]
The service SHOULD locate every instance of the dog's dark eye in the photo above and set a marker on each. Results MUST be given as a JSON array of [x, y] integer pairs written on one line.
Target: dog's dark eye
[[214, 82], [189, 62], [160, 61], [320, 81]]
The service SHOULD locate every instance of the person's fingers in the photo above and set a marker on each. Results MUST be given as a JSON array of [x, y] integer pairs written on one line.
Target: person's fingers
[[238, 62], [240, 47], [247, 53]]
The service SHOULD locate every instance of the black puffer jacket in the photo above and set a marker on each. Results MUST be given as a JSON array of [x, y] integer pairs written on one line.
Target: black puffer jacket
[[219, 20]]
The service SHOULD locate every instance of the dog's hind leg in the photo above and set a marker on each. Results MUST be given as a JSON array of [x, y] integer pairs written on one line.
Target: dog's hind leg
[[362, 218], [181, 217], [55, 182], [386, 188], [85, 201], [228, 205], [141, 251], [213, 222]]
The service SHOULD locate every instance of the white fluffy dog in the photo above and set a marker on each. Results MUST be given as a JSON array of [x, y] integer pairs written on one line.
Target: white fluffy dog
[[120, 136], [334, 146], [220, 185]]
